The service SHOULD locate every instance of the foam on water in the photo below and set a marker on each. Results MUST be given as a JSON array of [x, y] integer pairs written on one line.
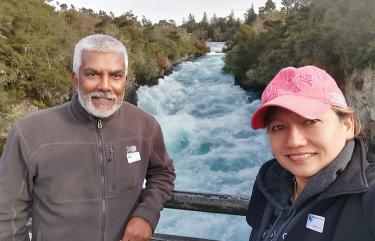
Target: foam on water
[[205, 121]]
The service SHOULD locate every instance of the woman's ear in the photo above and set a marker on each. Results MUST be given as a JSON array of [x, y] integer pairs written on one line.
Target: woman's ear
[[349, 126]]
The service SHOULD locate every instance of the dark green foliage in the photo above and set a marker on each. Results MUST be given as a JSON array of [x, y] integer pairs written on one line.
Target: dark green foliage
[[250, 15], [33, 49], [36, 48], [335, 35], [217, 29], [269, 6]]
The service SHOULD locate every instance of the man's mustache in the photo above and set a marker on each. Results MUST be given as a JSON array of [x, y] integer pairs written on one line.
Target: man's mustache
[[99, 94]]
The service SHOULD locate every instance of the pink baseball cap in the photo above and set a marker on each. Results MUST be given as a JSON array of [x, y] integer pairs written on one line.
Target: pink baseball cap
[[307, 91]]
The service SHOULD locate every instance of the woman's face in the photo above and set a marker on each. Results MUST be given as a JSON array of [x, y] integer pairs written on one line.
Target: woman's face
[[304, 146]]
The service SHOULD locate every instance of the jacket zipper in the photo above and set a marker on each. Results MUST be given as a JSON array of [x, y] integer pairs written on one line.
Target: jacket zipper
[[113, 167], [100, 124], [282, 227], [271, 232], [100, 142]]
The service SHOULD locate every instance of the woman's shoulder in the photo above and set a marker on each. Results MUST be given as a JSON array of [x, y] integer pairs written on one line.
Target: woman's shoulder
[[368, 198], [370, 171]]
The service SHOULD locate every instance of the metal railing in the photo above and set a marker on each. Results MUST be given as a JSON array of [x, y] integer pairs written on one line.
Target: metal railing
[[209, 202], [203, 202]]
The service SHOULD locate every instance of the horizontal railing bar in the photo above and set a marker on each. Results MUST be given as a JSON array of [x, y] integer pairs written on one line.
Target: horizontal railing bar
[[202, 202], [208, 202], [168, 237]]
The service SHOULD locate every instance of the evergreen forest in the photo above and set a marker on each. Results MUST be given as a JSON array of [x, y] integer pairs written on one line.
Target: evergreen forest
[[336, 35]]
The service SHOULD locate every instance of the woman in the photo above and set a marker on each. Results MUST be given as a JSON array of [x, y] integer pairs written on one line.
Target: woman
[[321, 185]]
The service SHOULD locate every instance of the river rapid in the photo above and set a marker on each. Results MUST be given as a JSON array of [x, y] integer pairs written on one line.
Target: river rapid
[[205, 121]]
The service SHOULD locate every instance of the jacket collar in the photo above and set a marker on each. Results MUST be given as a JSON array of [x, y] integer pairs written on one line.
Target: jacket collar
[[275, 183], [82, 116], [321, 182], [353, 178]]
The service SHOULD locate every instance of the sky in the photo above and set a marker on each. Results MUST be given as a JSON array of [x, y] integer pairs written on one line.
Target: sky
[[156, 10]]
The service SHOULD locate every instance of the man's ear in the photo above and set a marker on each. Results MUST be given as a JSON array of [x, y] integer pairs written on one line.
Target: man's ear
[[74, 80]]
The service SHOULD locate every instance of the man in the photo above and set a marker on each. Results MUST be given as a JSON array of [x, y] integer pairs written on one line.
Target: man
[[81, 166]]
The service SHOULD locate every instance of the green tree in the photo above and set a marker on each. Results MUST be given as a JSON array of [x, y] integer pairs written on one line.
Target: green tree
[[269, 5], [292, 5], [250, 15], [204, 20], [214, 19]]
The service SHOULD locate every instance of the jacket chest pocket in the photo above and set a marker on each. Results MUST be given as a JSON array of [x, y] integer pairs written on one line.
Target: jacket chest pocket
[[125, 169]]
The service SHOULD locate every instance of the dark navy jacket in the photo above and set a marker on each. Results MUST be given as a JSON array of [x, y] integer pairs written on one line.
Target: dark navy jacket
[[347, 204]]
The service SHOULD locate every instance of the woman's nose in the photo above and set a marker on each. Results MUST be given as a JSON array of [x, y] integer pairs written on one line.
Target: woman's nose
[[295, 137]]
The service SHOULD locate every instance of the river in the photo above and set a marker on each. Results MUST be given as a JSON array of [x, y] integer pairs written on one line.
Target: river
[[205, 121]]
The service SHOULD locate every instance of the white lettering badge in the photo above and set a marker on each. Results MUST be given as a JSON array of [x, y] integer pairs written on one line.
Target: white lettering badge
[[132, 154], [315, 222]]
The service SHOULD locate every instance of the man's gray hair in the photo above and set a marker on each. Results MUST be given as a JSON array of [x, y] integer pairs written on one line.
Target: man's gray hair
[[100, 43]]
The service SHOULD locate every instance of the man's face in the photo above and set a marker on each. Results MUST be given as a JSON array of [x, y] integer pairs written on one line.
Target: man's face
[[101, 82]]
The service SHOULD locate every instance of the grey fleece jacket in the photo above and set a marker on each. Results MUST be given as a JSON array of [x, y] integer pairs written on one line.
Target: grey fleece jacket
[[82, 177]]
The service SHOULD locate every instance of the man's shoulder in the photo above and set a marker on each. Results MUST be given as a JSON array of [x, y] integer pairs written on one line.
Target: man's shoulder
[[43, 117], [133, 111]]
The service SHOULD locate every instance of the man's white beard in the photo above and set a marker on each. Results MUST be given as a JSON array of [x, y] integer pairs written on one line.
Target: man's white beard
[[86, 103]]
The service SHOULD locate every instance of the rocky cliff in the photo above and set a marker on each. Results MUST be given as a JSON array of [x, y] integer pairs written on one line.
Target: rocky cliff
[[360, 93]]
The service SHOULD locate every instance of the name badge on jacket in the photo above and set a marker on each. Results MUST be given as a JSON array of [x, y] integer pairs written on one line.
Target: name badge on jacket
[[132, 154], [315, 222]]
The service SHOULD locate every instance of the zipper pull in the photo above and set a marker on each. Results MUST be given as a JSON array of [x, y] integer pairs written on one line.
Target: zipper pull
[[110, 154], [100, 125]]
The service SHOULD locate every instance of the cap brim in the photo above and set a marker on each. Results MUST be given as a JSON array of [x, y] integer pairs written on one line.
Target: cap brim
[[306, 107]]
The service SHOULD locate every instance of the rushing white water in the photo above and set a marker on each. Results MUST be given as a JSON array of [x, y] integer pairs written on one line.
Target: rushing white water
[[205, 121]]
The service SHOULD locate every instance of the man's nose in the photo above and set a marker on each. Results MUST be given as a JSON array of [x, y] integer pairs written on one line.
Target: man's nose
[[295, 137], [104, 84]]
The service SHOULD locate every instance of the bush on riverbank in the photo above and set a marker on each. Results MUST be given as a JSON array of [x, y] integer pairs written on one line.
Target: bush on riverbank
[[335, 35], [36, 47]]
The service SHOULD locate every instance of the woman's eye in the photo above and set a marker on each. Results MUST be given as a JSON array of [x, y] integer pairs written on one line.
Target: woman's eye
[[311, 122], [276, 128]]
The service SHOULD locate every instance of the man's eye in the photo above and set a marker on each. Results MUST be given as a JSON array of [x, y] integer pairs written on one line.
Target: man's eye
[[91, 74], [117, 76]]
